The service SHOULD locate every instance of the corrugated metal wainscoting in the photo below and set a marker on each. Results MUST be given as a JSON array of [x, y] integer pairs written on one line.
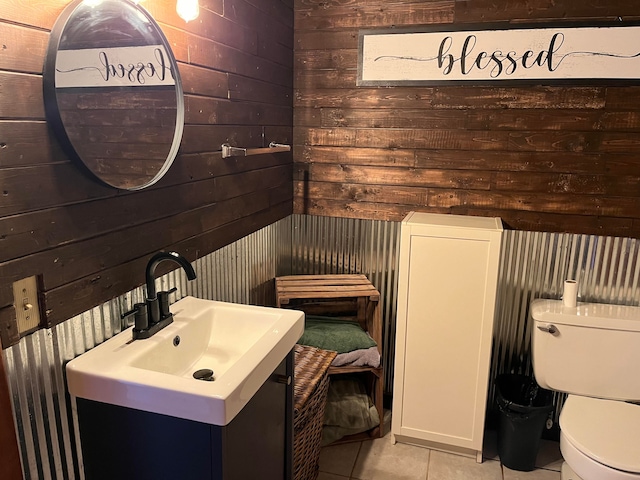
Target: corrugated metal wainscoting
[[242, 272], [533, 265], [328, 245]]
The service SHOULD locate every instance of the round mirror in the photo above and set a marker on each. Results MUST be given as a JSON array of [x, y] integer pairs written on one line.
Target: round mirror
[[112, 92]]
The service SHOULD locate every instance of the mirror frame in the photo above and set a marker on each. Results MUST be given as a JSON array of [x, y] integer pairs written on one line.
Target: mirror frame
[[52, 110]]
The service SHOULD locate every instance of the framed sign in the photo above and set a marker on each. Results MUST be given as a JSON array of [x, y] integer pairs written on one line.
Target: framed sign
[[137, 66], [534, 55]]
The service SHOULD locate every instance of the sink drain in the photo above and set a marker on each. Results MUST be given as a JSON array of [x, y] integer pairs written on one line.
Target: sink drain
[[203, 374]]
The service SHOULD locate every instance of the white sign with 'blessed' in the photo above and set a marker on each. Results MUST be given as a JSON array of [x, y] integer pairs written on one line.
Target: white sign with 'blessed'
[[139, 66], [535, 54]]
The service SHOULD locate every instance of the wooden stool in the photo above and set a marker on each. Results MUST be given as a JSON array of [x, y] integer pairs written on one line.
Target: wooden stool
[[350, 297]]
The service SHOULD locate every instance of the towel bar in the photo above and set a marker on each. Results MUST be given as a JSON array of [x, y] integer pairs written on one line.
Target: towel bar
[[229, 151]]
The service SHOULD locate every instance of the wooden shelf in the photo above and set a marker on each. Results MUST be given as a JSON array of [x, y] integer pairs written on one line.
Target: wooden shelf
[[350, 297], [342, 370], [359, 437]]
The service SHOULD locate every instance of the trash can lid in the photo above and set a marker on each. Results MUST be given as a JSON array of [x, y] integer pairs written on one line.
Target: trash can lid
[[607, 431]]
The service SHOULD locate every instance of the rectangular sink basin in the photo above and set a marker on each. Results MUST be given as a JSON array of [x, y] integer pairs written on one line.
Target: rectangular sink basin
[[242, 344]]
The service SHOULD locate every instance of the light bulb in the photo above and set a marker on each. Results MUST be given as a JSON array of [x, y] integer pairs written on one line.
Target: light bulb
[[188, 9]]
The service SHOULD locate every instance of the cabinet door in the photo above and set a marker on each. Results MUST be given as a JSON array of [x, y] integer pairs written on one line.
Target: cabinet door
[[447, 309]]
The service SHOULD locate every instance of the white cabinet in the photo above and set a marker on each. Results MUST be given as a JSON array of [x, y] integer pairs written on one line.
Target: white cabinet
[[446, 300]]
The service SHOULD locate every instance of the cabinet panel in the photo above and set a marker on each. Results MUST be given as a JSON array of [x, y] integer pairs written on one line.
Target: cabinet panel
[[447, 285], [123, 443], [443, 330]]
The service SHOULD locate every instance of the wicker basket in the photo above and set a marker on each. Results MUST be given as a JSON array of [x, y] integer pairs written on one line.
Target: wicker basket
[[310, 397]]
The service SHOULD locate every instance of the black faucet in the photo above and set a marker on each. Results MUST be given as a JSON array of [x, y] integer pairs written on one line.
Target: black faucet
[[153, 315]]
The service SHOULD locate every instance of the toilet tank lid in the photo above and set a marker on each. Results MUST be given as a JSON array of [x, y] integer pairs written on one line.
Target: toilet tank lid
[[596, 315]]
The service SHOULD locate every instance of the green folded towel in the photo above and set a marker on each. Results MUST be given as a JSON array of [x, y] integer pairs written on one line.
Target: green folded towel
[[329, 333]]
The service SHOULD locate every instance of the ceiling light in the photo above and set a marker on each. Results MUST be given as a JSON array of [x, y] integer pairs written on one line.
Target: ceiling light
[[188, 9]]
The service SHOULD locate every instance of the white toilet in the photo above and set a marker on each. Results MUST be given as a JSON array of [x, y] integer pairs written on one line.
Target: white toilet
[[592, 352]]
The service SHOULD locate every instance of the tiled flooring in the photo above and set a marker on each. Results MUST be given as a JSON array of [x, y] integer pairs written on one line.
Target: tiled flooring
[[380, 460]]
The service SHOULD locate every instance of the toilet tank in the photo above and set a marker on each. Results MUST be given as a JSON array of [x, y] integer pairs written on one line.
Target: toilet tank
[[592, 349]]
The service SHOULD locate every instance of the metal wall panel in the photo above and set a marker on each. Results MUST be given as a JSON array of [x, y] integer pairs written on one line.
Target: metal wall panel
[[328, 245], [242, 272], [533, 265]]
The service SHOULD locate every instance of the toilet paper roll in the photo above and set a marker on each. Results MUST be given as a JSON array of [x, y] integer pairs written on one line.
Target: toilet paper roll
[[570, 294]]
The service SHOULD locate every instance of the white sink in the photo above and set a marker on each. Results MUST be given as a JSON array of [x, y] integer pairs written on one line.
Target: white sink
[[242, 344]]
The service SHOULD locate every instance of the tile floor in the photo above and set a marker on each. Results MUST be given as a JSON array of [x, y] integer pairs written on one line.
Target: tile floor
[[380, 460]]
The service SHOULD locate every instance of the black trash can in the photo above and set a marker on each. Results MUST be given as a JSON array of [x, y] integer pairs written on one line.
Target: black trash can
[[524, 409]]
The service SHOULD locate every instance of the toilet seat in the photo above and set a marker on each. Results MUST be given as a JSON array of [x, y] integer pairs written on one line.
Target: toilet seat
[[600, 439]]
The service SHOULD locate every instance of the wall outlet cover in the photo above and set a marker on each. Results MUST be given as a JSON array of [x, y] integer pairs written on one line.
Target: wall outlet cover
[[25, 300]]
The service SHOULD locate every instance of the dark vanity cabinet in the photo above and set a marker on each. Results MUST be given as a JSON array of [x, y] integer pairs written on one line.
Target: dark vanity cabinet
[[127, 444]]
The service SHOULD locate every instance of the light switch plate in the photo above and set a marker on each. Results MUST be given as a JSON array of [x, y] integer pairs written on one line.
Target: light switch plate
[[25, 300]]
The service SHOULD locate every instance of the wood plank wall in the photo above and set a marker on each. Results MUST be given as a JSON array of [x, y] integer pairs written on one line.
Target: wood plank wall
[[544, 158], [87, 242]]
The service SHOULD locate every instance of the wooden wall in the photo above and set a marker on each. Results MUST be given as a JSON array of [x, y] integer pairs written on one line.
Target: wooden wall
[[544, 158], [87, 242]]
